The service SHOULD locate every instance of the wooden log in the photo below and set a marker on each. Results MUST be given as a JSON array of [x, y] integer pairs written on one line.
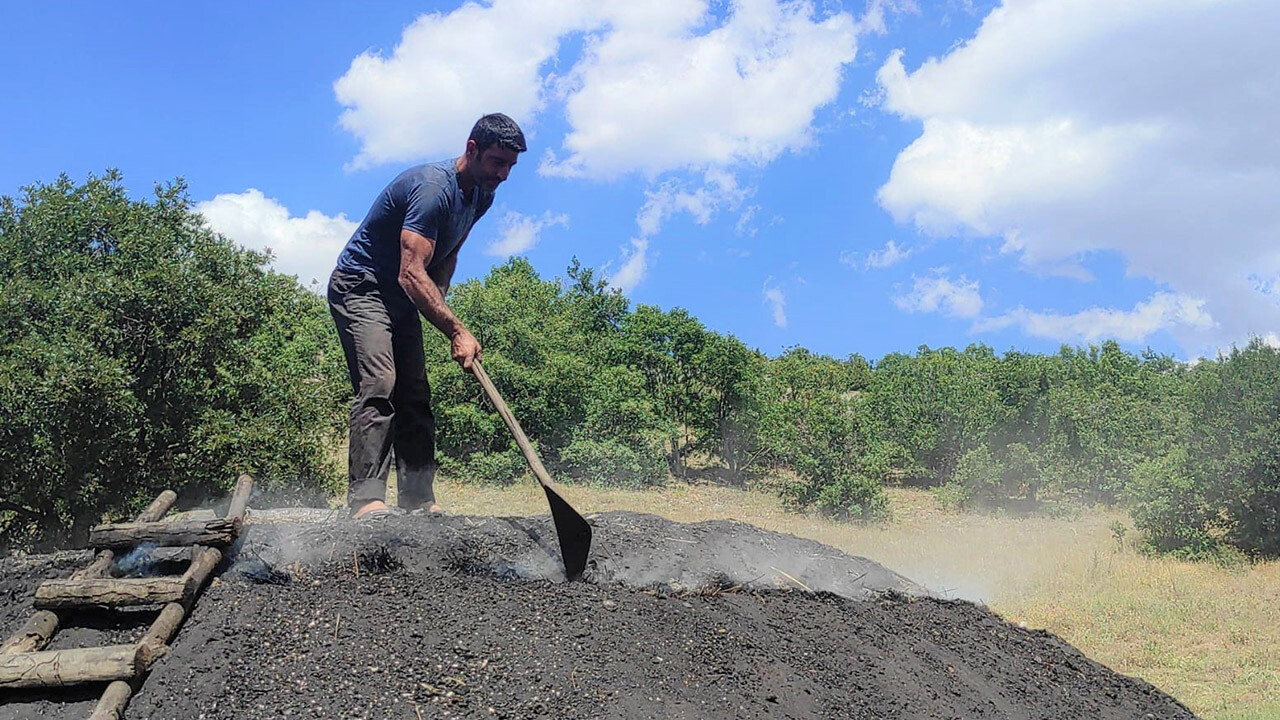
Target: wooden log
[[240, 498], [219, 531], [203, 561], [165, 625], [33, 635], [111, 705], [111, 592], [60, 668], [102, 563]]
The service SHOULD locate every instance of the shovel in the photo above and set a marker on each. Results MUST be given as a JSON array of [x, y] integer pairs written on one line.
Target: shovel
[[572, 530]]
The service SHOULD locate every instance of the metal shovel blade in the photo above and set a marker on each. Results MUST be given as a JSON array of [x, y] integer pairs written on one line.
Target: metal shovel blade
[[574, 533]]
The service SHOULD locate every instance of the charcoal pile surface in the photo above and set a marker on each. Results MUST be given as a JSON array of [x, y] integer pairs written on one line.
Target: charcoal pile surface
[[469, 617]]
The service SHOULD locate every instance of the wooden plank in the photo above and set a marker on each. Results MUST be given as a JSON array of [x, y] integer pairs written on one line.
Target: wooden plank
[[60, 668], [219, 532], [110, 592]]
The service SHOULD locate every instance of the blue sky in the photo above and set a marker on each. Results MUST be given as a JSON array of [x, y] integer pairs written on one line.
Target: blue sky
[[857, 177]]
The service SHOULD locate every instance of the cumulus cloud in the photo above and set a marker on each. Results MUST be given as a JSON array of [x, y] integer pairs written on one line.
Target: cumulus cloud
[[673, 88], [658, 86], [305, 246], [1143, 128], [776, 301], [939, 294], [518, 233], [1162, 311], [421, 100], [719, 190]]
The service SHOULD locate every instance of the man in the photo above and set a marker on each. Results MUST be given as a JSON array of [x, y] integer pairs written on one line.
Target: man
[[397, 265]]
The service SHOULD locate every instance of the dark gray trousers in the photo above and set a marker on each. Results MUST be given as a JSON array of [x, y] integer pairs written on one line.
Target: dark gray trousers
[[381, 336]]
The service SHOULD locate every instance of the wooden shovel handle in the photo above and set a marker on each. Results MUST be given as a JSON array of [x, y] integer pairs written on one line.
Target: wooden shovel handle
[[525, 446]]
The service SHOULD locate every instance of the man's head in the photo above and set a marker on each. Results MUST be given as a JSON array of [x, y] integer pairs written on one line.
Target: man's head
[[495, 143]]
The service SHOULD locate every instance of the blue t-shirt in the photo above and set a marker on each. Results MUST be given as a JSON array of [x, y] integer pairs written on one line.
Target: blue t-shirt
[[425, 199]]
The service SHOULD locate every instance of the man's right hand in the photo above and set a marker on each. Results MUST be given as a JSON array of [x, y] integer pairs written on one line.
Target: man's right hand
[[465, 348]]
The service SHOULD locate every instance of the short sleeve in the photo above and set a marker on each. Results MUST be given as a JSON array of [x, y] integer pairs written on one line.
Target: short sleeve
[[425, 210]]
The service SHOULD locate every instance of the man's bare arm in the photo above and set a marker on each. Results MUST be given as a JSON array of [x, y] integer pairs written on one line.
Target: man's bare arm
[[415, 253], [442, 276]]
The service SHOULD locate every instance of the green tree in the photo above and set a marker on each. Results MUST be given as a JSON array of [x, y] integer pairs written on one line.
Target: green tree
[[140, 351]]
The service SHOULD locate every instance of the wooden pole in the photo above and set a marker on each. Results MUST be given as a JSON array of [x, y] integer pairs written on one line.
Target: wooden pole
[[240, 498], [219, 531], [60, 668], [111, 705]]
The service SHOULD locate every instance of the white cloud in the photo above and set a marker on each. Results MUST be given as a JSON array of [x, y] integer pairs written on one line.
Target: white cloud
[[518, 233], [886, 256], [939, 294], [306, 246], [659, 86], [746, 225], [1163, 311], [719, 190], [673, 88], [1144, 128], [776, 301], [447, 71], [634, 266]]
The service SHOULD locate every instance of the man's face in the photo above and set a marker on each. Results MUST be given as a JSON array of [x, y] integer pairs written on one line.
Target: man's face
[[492, 166]]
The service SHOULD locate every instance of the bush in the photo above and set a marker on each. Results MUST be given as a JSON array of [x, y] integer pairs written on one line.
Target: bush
[[504, 467], [853, 497], [609, 462]]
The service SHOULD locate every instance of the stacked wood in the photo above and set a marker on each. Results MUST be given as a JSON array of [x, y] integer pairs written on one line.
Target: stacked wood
[[102, 563], [39, 629], [60, 668], [203, 560]]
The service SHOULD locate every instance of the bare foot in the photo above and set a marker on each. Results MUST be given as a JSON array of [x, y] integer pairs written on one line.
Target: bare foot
[[370, 507]]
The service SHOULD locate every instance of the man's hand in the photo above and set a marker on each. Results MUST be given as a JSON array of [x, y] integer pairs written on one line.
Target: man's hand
[[465, 348]]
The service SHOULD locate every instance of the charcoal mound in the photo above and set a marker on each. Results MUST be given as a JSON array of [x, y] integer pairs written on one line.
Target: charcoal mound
[[469, 617]]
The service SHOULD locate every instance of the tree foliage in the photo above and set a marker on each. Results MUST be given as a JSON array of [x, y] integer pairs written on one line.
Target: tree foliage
[[140, 351]]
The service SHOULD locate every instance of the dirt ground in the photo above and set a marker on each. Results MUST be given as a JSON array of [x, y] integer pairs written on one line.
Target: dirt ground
[[469, 617]]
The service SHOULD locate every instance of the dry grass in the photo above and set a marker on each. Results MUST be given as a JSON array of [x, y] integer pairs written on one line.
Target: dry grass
[[1207, 635]]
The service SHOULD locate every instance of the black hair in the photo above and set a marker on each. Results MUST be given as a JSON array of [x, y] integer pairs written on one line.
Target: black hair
[[497, 129]]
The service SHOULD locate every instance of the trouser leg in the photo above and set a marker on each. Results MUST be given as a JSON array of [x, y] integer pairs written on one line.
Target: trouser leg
[[365, 329], [413, 433]]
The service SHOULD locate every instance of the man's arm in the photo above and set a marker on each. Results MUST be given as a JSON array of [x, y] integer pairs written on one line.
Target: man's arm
[[442, 276], [415, 253]]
